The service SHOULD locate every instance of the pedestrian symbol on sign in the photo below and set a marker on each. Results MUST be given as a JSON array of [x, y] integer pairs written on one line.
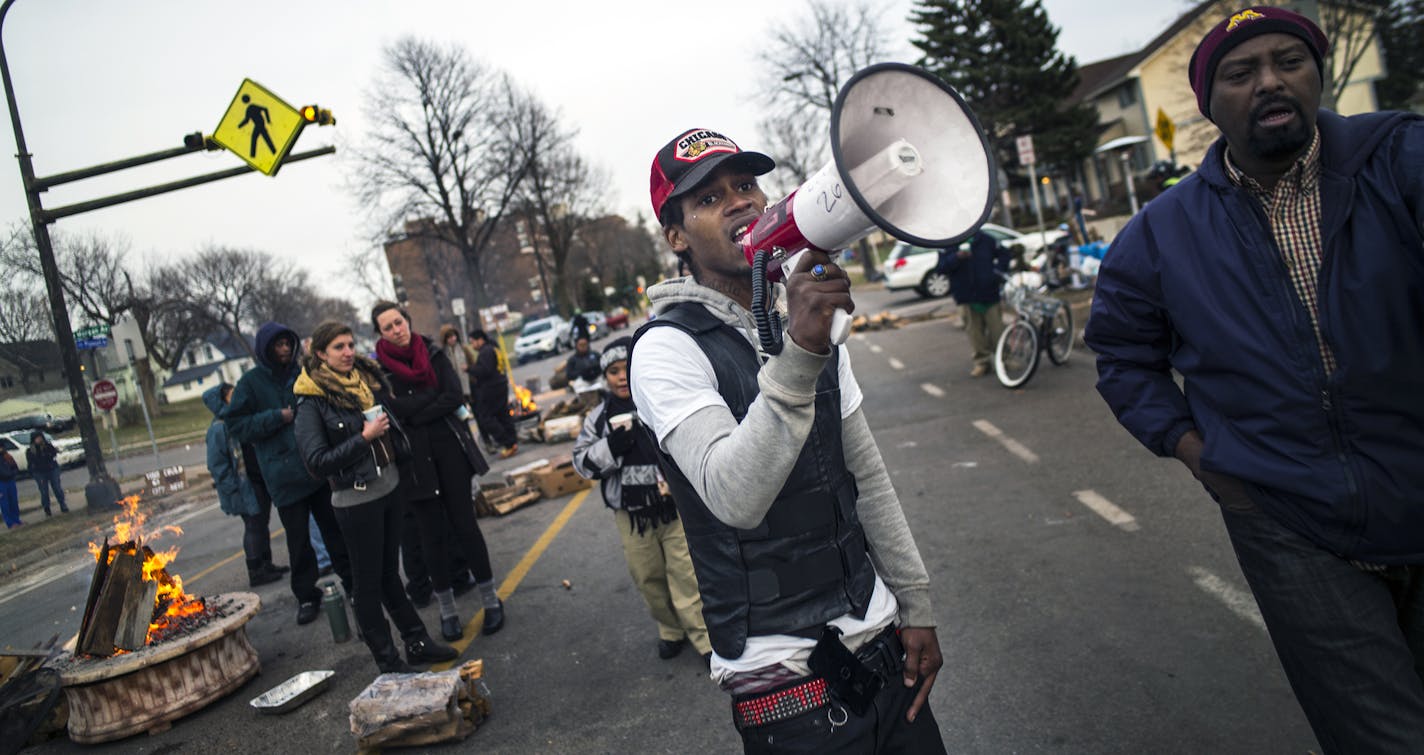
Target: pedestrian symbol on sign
[[258, 116]]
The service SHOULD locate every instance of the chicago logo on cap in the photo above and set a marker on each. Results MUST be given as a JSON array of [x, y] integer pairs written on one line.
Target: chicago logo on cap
[[699, 144], [1242, 17]]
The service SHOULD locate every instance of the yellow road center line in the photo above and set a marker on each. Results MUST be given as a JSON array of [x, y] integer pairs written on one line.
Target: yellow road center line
[[226, 561], [517, 574]]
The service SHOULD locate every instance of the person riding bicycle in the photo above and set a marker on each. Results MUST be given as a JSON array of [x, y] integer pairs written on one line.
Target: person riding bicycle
[[974, 281]]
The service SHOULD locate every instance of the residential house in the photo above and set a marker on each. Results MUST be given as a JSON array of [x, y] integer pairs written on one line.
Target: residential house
[[1130, 90], [219, 358], [30, 367]]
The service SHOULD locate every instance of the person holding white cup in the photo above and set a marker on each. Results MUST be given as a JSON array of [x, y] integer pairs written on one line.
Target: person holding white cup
[[344, 434], [615, 450]]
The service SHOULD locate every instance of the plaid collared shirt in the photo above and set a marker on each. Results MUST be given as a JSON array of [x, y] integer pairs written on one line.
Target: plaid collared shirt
[[1293, 211]]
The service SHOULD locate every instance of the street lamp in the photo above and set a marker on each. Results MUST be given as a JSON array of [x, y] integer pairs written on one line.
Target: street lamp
[[102, 491]]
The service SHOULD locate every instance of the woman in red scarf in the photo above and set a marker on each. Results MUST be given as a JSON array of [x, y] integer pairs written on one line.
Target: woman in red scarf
[[426, 395]]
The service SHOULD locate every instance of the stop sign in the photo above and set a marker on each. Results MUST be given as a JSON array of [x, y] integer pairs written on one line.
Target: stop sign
[[106, 395]]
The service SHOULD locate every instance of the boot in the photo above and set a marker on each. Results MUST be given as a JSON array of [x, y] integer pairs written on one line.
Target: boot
[[494, 619], [424, 651], [383, 650]]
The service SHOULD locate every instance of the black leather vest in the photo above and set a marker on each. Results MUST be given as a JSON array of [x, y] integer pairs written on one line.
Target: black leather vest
[[806, 563]]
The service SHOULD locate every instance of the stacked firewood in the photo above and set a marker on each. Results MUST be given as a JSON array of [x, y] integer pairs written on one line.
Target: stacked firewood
[[408, 710]]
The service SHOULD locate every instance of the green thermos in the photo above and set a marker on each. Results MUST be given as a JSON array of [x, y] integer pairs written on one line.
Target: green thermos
[[335, 606]]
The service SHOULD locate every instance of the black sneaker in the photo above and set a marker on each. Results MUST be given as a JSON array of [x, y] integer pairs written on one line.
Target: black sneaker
[[425, 651], [670, 648], [307, 612]]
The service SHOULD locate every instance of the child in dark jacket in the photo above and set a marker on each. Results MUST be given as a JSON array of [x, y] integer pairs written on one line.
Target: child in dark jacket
[[612, 449]]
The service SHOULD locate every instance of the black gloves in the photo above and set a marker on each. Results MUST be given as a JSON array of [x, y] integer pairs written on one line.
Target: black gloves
[[620, 441]]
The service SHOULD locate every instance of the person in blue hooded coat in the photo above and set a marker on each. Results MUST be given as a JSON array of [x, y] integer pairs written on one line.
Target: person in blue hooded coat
[[236, 494], [260, 412]]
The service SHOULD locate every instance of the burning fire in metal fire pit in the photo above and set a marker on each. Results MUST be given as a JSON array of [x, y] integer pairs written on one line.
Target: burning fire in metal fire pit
[[134, 600], [523, 404]]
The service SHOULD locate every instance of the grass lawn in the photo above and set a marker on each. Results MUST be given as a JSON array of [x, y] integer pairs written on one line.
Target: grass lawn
[[182, 418]]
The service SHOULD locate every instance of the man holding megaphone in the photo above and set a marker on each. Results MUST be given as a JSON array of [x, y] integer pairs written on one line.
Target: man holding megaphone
[[814, 593]]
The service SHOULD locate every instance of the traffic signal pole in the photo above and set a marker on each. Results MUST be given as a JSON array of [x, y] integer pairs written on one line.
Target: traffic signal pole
[[102, 491]]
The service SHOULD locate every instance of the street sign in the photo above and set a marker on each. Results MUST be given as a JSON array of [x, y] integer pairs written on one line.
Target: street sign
[[91, 343], [457, 306], [1025, 146], [1166, 129], [106, 395], [259, 127], [92, 331]]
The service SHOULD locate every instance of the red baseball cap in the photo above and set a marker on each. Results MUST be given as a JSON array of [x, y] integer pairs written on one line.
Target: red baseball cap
[[1241, 26], [688, 160]]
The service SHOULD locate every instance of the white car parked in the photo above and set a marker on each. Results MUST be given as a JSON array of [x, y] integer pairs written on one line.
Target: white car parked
[[540, 338], [913, 267]]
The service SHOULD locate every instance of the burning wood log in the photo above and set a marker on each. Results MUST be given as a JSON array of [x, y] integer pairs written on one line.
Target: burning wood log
[[112, 615]]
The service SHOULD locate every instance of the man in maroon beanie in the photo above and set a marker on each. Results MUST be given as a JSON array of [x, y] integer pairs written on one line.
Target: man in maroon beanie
[[1284, 281]]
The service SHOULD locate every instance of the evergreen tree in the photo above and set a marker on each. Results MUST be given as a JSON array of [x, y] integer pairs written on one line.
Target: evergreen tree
[[1401, 35], [1001, 56]]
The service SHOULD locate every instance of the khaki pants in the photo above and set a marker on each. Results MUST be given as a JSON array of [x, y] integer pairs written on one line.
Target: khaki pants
[[984, 329], [661, 568]]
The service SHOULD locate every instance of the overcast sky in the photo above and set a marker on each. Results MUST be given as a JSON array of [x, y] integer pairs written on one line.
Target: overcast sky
[[99, 80]]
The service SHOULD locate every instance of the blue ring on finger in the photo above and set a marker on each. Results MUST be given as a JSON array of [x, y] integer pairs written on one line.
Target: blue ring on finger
[[818, 272]]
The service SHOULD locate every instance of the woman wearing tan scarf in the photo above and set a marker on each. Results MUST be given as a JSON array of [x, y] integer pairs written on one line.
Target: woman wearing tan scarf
[[345, 435]]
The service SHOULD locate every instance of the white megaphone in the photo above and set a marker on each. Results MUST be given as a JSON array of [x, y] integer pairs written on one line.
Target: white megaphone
[[908, 157]]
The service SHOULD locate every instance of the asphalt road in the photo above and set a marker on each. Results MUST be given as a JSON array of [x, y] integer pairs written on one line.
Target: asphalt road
[[1087, 597]]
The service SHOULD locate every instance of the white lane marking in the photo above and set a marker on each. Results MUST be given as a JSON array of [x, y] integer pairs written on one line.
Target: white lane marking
[[876, 348], [1240, 602], [897, 364], [964, 465], [907, 444], [1107, 510], [1014, 447], [932, 389]]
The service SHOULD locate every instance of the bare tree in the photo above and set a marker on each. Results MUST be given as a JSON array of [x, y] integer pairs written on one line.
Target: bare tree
[[805, 64], [1352, 26], [225, 287], [441, 149], [564, 193], [24, 315]]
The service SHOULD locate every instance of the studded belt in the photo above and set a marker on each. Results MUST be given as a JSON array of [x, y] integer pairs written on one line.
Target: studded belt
[[779, 705]]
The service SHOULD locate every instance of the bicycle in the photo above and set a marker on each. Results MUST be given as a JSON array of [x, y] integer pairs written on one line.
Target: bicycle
[[1043, 323]]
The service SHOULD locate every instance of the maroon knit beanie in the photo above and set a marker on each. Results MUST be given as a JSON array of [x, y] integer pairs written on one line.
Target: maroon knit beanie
[[1241, 26]]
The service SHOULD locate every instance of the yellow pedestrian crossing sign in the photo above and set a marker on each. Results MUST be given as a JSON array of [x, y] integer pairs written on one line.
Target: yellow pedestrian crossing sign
[[259, 127], [1166, 129]]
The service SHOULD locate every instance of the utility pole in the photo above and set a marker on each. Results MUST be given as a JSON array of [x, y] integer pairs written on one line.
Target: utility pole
[[102, 491]]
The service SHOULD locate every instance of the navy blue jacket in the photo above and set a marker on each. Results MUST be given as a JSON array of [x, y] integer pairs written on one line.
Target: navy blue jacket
[[975, 279], [254, 415], [1196, 283]]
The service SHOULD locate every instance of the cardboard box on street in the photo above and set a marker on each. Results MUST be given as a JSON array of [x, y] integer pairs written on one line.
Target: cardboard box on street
[[559, 478]]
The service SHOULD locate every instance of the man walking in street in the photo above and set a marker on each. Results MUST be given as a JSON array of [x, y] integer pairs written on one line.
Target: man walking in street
[[1282, 282], [489, 381], [974, 280], [43, 460], [260, 412], [804, 559]]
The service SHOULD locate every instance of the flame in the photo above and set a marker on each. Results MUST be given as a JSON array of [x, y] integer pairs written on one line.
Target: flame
[[130, 534], [523, 402]]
